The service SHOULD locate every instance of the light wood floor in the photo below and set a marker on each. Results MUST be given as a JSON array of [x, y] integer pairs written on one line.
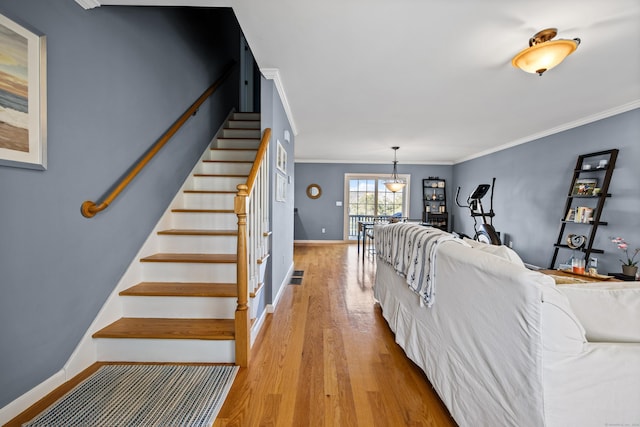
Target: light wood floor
[[326, 357]]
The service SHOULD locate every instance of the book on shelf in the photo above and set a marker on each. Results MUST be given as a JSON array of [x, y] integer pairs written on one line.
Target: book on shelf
[[583, 214], [571, 215], [584, 187]]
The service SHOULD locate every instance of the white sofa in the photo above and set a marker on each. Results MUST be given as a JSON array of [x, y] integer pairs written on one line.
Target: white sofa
[[502, 346]]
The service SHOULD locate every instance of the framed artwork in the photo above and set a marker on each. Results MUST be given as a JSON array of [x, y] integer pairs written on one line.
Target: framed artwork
[[23, 106], [281, 158], [281, 188]]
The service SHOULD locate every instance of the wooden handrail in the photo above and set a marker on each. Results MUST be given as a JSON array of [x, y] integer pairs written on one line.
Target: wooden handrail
[[264, 143], [89, 208]]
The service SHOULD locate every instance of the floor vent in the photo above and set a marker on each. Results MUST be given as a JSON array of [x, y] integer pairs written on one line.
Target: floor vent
[[296, 278]]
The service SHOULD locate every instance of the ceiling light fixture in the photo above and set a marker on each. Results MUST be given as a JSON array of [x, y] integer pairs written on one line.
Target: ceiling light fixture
[[543, 53], [395, 183]]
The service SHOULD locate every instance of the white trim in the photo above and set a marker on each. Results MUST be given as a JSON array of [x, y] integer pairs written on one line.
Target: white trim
[[23, 402], [406, 205], [287, 278], [574, 124], [274, 74], [257, 326], [88, 4], [371, 162], [190, 3]]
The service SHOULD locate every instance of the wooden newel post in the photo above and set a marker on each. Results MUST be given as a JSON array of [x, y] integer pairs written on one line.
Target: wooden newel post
[[242, 320]]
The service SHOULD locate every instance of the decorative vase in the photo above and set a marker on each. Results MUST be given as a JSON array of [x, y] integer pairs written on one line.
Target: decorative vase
[[629, 270]]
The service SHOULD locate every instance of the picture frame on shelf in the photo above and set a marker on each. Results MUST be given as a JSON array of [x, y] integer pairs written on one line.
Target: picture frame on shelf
[[584, 187], [23, 94]]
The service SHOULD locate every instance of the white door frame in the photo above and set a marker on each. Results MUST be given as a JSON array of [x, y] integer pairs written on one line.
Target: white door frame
[[345, 205]]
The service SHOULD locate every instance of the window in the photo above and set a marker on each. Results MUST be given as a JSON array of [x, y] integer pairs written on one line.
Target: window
[[368, 198]]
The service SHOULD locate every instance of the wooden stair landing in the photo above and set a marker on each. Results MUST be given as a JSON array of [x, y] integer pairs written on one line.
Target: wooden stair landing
[[182, 289], [190, 329]]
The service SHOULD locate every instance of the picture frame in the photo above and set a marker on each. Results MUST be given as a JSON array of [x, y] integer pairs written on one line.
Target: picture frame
[[23, 91], [281, 158], [281, 188], [584, 187]]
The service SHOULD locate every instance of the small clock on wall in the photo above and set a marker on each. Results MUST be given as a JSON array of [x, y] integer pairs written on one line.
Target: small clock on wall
[[314, 191]]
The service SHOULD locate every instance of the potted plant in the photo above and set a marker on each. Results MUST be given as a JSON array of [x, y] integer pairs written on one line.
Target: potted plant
[[630, 265]]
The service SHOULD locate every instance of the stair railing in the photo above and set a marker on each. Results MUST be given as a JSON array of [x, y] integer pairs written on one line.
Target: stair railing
[[251, 205], [89, 208]]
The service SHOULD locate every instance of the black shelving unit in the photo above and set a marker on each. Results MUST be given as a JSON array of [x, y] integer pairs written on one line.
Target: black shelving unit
[[434, 196], [583, 208]]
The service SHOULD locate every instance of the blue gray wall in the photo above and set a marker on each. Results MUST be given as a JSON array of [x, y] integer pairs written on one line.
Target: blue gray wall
[[281, 211], [532, 182], [117, 79], [315, 214]]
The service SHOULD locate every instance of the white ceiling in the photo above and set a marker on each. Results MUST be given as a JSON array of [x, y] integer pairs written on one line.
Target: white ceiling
[[435, 76]]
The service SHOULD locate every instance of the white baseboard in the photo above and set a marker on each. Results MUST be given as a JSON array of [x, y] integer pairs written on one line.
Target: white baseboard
[[23, 402], [255, 331], [322, 242], [287, 278]]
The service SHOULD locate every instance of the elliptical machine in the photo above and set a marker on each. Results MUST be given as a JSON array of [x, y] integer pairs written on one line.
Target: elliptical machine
[[484, 232]]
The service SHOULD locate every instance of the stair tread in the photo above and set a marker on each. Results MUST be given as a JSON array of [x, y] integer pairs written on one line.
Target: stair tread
[[198, 232], [161, 328], [204, 210], [192, 258], [182, 289], [211, 191], [234, 149], [227, 161], [221, 175]]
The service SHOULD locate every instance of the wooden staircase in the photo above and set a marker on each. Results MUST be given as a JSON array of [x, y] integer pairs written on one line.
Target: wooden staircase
[[183, 310]]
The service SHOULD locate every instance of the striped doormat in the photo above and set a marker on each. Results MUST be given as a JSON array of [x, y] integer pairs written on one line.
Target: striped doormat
[[143, 395]]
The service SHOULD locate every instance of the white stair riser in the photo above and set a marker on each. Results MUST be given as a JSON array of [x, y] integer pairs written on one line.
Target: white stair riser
[[244, 124], [179, 307], [241, 133], [237, 143], [207, 201], [216, 183], [249, 155], [197, 244], [204, 221], [189, 272], [157, 350], [246, 116], [222, 168]]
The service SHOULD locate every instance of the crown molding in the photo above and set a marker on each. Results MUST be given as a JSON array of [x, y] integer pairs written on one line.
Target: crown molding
[[566, 126], [274, 74], [88, 4]]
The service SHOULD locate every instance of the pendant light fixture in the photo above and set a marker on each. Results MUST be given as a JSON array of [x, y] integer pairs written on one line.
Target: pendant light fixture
[[395, 183], [543, 53]]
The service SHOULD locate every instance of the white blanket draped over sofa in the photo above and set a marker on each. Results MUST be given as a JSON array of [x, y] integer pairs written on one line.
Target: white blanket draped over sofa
[[502, 345]]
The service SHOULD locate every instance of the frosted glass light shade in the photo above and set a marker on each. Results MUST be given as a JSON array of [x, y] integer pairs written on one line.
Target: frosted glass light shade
[[394, 186], [543, 53]]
